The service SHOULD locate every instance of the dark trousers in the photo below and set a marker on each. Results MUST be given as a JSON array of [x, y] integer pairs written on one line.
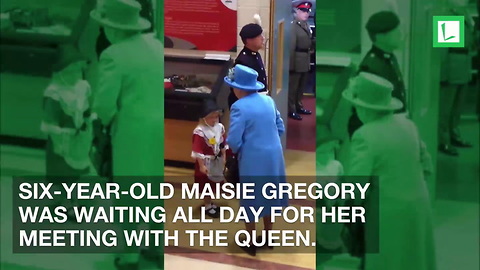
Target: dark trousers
[[452, 99], [296, 88]]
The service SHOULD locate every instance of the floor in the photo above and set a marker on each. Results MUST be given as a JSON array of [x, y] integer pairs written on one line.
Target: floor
[[301, 134], [458, 176], [456, 220], [24, 161], [456, 210]]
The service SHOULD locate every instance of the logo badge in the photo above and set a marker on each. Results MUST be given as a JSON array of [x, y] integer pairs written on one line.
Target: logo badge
[[448, 31]]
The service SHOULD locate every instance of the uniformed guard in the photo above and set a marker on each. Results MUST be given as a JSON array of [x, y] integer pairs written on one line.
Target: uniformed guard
[[301, 47], [384, 31], [456, 74], [253, 40]]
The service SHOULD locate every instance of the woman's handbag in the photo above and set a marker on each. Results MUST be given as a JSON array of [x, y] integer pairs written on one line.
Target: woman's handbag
[[102, 157], [353, 237], [231, 171], [215, 169]]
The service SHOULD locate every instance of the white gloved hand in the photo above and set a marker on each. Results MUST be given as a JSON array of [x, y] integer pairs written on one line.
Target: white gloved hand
[[264, 93]]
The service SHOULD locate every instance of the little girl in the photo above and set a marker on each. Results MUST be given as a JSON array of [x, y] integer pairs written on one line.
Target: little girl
[[67, 122], [329, 170], [208, 150]]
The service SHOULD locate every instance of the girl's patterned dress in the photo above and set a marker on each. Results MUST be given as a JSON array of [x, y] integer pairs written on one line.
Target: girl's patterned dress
[[67, 123], [207, 143]]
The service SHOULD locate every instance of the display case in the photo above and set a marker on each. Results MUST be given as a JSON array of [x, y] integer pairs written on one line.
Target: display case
[[31, 35], [192, 81], [189, 81], [31, 32]]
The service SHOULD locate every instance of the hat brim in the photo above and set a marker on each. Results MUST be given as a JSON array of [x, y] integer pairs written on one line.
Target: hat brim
[[142, 24], [61, 66], [212, 111], [394, 105], [256, 87], [295, 3], [68, 59]]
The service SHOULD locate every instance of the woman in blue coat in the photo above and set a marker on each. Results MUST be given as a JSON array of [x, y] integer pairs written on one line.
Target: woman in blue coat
[[254, 135], [389, 147]]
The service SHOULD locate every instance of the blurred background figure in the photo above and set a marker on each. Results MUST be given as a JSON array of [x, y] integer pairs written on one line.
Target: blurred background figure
[[455, 77]]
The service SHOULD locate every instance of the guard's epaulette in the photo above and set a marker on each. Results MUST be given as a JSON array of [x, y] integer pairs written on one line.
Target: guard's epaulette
[[385, 55], [372, 63], [299, 23]]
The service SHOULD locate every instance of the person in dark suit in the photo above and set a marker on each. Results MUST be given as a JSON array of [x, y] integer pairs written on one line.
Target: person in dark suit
[[253, 39], [384, 31]]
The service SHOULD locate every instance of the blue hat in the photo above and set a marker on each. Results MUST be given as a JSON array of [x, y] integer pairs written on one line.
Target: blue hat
[[209, 106], [251, 30], [243, 78], [370, 91]]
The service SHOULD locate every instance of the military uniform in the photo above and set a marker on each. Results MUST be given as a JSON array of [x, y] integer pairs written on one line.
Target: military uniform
[[456, 73], [252, 60], [386, 66], [381, 63], [301, 47]]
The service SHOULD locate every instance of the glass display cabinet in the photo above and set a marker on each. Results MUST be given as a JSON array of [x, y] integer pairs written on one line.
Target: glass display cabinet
[[188, 81], [31, 32]]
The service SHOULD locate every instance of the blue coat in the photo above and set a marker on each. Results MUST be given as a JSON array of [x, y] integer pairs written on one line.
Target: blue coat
[[129, 96], [254, 134], [391, 148]]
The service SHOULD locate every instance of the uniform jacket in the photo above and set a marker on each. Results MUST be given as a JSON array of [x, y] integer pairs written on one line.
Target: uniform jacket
[[385, 65], [252, 60], [391, 149], [301, 45], [456, 63], [129, 98]]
